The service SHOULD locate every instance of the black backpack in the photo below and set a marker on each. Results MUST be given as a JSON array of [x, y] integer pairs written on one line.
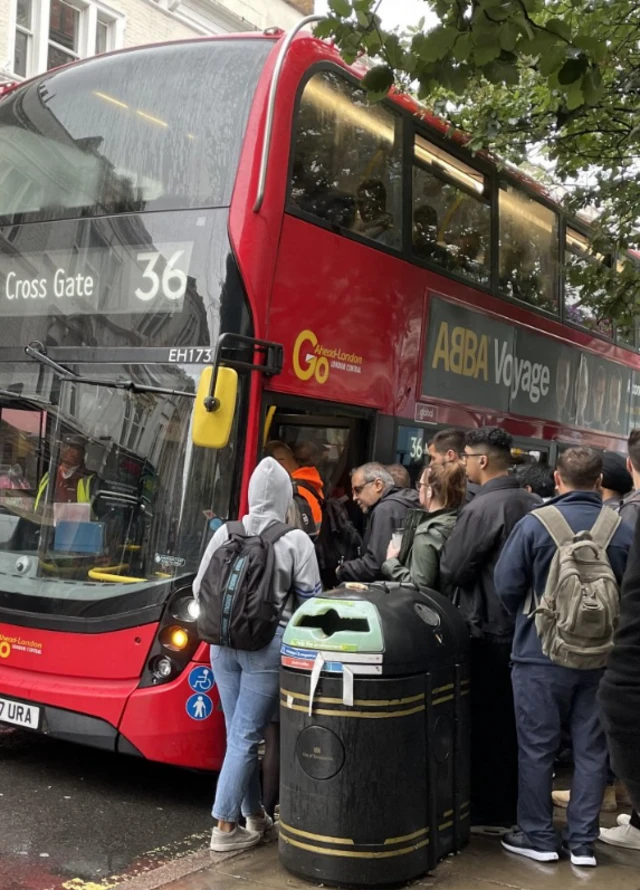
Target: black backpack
[[337, 541], [238, 607], [304, 513]]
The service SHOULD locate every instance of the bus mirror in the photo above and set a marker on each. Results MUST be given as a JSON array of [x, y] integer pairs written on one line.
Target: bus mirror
[[211, 426]]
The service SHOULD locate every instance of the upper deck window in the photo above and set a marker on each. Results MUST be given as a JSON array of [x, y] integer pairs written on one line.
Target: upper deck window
[[528, 249], [578, 258], [347, 166], [157, 128], [451, 216]]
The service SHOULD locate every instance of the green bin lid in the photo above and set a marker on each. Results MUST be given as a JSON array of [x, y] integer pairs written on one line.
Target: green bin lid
[[337, 625]]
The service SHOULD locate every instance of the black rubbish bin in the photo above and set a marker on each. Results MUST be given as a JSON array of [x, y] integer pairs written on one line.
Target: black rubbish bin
[[374, 735]]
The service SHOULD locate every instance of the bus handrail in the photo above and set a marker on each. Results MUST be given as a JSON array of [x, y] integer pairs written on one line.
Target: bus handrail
[[271, 102]]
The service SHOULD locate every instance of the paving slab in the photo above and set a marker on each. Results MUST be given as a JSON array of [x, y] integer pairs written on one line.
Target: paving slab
[[483, 866]]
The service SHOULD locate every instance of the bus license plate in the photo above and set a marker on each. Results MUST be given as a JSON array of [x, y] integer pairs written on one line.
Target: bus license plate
[[19, 714]]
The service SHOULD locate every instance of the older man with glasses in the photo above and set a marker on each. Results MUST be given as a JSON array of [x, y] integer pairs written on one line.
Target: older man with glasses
[[386, 507], [466, 571]]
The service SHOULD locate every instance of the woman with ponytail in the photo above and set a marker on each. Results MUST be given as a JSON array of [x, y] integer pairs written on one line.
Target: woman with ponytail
[[442, 490]]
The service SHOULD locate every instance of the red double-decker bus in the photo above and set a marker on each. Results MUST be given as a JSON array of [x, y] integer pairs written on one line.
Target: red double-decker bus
[[235, 204]]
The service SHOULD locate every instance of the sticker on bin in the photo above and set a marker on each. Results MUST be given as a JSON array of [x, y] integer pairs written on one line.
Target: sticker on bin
[[306, 664], [342, 657], [304, 660]]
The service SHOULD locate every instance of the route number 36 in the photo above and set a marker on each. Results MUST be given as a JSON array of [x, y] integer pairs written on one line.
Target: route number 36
[[416, 448], [172, 282]]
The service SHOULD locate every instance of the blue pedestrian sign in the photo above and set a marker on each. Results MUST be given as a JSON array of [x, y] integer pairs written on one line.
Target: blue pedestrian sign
[[199, 706], [201, 679]]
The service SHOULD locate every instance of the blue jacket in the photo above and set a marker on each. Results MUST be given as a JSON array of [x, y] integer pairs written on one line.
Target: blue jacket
[[526, 558]]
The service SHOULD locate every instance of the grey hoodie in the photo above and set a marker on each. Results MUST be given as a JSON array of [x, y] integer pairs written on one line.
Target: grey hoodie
[[296, 569]]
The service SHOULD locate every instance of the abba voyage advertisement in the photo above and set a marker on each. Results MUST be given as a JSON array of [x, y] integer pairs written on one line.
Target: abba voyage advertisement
[[477, 360]]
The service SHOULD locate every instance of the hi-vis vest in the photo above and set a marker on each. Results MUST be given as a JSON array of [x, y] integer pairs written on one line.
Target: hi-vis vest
[[83, 490]]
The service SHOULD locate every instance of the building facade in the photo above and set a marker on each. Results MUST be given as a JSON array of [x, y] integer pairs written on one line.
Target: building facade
[[39, 34]]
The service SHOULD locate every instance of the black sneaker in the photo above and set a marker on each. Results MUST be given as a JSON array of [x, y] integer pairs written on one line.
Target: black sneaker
[[517, 842], [584, 855]]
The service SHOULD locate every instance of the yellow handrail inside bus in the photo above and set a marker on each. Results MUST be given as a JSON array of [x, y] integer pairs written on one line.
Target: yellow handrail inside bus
[[101, 575], [271, 410], [107, 573]]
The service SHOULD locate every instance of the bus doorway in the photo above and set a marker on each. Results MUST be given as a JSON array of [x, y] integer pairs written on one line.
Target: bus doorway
[[332, 443]]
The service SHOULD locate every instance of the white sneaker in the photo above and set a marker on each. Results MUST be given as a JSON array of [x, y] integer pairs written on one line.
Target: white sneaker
[[623, 819], [622, 836], [238, 839], [261, 824]]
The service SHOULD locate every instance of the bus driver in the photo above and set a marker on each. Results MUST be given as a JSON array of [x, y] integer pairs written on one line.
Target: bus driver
[[73, 481]]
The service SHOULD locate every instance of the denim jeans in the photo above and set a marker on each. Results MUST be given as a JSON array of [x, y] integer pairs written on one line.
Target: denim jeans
[[249, 684], [546, 697]]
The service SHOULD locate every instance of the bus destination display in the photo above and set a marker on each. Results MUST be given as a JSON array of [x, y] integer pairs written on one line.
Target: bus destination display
[[86, 281]]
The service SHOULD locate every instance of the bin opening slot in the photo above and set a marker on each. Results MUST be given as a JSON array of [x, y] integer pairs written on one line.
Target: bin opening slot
[[330, 623]]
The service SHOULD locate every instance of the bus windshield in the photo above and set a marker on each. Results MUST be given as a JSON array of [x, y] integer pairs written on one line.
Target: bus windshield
[[101, 488], [157, 128]]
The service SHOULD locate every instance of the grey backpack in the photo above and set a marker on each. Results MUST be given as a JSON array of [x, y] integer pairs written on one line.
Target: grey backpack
[[579, 609]]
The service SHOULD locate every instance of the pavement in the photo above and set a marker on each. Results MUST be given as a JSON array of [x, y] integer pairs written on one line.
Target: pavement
[[72, 818], [483, 866]]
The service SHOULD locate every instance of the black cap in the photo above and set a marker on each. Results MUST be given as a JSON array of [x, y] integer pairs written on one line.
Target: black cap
[[615, 475]]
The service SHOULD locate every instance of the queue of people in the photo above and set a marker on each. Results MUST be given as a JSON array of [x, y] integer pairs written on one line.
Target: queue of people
[[506, 548]]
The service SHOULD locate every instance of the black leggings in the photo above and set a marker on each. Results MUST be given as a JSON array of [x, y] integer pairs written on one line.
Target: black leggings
[[271, 768], [635, 819]]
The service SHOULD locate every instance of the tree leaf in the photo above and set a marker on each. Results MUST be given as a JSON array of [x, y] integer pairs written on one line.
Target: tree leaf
[[572, 70], [539, 44], [393, 50], [553, 60], [592, 86], [575, 96], [508, 36], [463, 47], [340, 7], [591, 45], [378, 79], [560, 27], [437, 44], [482, 55]]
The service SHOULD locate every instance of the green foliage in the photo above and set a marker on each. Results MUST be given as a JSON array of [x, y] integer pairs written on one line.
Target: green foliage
[[558, 79]]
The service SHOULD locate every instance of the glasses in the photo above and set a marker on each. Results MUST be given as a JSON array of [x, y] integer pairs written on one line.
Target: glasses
[[464, 457], [357, 489], [420, 485]]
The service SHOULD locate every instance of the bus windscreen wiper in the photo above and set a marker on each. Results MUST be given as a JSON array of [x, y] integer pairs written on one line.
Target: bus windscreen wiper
[[38, 352], [32, 403]]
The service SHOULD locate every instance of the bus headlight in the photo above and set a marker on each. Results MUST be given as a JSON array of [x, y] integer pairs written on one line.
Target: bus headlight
[[186, 610], [162, 668], [176, 640]]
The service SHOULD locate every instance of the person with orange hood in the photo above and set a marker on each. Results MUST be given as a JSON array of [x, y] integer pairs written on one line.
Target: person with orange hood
[[307, 478]]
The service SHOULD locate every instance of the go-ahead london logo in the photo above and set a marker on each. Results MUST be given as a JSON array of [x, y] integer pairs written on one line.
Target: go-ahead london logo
[[312, 359]]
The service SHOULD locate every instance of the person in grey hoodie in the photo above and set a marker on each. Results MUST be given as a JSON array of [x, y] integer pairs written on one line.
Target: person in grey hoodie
[[248, 682], [442, 489]]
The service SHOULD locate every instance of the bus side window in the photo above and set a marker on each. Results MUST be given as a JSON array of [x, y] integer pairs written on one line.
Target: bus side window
[[347, 166], [528, 249], [451, 216]]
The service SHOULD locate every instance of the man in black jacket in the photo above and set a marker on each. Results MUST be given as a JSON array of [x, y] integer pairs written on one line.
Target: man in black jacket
[[466, 571], [619, 698], [386, 507]]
